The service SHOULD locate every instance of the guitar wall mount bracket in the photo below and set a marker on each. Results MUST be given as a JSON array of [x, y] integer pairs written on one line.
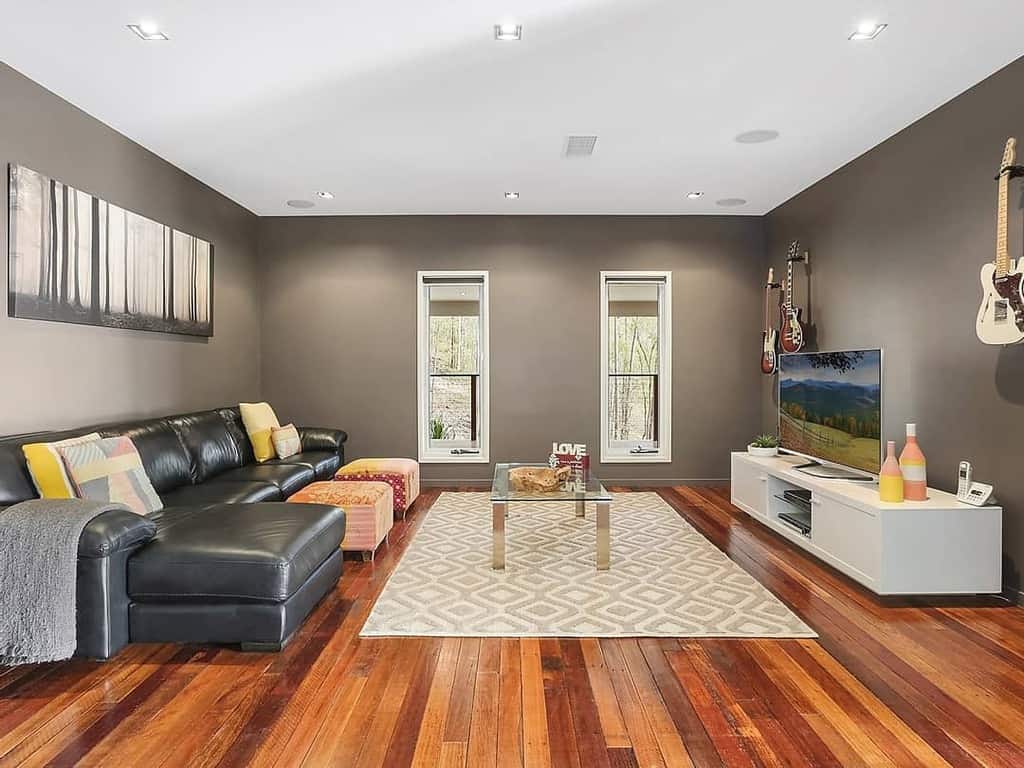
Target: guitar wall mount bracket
[[1016, 171], [803, 258]]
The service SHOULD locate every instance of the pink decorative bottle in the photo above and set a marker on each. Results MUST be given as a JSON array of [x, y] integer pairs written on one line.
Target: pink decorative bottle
[[912, 463], [890, 479]]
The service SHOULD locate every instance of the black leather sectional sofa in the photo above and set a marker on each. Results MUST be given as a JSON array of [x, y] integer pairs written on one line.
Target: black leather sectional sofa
[[225, 561]]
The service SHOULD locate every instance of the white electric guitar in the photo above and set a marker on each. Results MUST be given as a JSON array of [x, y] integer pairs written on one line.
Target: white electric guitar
[[1001, 316]]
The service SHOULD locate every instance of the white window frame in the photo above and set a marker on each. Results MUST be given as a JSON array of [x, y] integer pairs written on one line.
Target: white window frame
[[429, 454], [664, 453]]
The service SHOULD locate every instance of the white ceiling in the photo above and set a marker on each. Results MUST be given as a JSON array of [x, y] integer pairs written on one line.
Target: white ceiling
[[411, 106]]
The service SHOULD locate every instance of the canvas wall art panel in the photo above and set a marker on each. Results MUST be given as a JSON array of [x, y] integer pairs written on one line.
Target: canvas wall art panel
[[75, 258]]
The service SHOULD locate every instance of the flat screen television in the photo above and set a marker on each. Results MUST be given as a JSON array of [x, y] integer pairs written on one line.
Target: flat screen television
[[830, 410]]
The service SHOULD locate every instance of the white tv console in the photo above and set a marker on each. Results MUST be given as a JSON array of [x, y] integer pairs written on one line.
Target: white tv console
[[936, 547]]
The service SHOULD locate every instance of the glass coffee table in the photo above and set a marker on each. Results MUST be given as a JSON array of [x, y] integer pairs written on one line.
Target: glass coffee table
[[580, 491]]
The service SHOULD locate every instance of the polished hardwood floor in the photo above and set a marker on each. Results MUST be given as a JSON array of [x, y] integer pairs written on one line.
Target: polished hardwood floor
[[884, 685]]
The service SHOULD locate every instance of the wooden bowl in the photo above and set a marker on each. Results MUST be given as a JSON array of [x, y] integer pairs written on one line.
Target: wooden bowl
[[538, 479]]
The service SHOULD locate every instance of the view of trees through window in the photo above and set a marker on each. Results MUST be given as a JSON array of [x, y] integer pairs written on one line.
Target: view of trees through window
[[632, 377], [454, 369]]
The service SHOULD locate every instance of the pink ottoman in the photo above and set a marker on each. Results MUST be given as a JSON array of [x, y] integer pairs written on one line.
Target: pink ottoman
[[403, 475], [368, 511]]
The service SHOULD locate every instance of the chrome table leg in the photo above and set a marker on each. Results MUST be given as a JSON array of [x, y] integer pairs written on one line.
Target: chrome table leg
[[498, 512], [604, 535]]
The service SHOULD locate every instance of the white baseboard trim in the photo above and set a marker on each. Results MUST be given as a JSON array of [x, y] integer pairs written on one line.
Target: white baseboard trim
[[658, 482]]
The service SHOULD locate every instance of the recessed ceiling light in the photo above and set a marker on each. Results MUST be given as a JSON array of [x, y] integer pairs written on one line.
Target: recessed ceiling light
[[731, 202], [759, 136], [695, 195], [148, 30], [868, 30], [325, 195], [300, 203], [511, 195], [508, 31]]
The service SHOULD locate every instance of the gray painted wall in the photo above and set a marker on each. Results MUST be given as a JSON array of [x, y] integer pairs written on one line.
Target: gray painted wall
[[897, 238], [59, 375], [339, 327]]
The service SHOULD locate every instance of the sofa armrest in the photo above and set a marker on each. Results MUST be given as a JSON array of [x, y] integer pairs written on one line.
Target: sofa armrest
[[321, 439], [114, 531], [101, 595]]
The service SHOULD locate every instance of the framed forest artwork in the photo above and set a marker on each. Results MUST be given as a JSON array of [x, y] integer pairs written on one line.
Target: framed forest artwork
[[75, 258]]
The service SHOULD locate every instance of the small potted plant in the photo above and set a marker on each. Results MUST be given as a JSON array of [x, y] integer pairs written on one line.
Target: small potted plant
[[438, 429], [764, 445]]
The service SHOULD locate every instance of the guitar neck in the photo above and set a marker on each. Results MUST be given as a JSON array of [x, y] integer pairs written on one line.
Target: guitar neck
[[789, 284], [1002, 251]]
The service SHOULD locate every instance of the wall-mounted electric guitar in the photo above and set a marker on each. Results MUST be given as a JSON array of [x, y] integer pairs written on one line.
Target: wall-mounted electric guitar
[[769, 337], [791, 330], [1001, 316]]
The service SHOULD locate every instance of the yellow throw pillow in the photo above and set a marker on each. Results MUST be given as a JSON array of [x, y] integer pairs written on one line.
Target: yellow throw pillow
[[259, 420], [46, 466], [286, 441]]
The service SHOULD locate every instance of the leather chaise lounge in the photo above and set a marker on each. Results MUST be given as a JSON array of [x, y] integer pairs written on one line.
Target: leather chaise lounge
[[225, 560]]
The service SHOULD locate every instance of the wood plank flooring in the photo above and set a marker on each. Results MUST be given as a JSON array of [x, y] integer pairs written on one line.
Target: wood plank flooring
[[894, 684]]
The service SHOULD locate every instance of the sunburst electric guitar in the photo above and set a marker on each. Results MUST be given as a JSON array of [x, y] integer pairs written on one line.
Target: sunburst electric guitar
[[1001, 316], [791, 329], [769, 336]]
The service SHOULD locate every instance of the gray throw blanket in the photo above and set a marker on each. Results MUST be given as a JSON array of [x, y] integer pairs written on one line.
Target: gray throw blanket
[[38, 570]]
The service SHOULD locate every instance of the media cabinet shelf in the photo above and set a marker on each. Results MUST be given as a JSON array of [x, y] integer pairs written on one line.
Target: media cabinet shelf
[[936, 547]]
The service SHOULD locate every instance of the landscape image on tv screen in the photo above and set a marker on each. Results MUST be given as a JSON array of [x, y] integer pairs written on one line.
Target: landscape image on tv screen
[[830, 407]]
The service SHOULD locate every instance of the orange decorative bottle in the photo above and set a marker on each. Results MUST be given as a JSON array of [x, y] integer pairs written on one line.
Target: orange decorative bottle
[[912, 463], [890, 479]]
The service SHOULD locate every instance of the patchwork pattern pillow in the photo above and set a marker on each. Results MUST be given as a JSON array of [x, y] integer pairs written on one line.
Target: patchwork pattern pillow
[[46, 466], [286, 441], [259, 420], [111, 470]]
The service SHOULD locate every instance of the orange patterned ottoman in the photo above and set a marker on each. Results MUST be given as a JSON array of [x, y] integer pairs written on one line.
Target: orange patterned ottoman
[[368, 511], [403, 475]]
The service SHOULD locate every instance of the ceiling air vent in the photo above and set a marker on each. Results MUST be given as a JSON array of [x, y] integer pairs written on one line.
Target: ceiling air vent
[[580, 146]]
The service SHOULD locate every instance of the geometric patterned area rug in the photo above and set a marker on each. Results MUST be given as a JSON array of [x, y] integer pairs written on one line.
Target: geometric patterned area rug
[[665, 580]]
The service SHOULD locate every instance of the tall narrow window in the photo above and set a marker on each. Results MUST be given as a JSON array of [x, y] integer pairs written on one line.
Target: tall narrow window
[[452, 367], [636, 366]]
